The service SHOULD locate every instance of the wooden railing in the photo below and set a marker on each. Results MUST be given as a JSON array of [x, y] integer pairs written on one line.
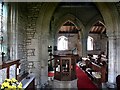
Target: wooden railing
[[28, 81], [9, 69]]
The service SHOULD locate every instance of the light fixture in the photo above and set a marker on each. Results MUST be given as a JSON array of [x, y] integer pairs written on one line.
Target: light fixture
[[49, 48]]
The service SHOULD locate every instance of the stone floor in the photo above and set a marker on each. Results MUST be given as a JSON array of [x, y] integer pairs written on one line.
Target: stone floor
[[49, 86]]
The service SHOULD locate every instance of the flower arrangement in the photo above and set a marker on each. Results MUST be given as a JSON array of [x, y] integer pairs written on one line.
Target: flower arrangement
[[11, 84]]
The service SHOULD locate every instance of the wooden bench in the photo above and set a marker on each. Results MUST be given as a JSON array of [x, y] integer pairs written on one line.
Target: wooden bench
[[96, 73]]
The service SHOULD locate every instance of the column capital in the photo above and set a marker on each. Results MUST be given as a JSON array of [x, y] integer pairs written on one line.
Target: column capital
[[114, 36], [111, 36]]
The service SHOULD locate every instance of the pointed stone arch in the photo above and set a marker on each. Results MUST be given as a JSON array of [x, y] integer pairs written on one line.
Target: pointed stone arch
[[92, 22], [63, 19], [58, 23], [110, 16], [42, 34]]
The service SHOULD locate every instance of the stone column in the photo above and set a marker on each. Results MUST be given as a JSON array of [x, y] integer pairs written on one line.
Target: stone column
[[117, 62], [79, 44], [84, 46], [112, 61], [43, 55], [13, 37]]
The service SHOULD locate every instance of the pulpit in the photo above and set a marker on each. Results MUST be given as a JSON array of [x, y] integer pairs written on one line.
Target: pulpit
[[65, 67]]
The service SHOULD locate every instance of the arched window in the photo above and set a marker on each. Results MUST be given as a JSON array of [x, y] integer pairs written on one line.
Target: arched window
[[62, 43], [90, 43]]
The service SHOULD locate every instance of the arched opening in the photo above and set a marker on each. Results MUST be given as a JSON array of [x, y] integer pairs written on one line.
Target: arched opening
[[97, 39], [97, 46], [67, 38]]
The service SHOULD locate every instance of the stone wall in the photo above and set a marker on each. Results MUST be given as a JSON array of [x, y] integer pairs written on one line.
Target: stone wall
[[23, 41], [21, 38], [32, 40], [99, 43]]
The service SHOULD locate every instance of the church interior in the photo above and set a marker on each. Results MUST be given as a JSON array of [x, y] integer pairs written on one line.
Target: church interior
[[49, 45]]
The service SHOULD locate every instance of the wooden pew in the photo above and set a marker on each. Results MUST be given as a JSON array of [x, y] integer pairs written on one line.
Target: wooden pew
[[96, 72]]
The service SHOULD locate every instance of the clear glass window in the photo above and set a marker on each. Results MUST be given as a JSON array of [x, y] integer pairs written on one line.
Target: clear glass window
[[90, 43], [62, 43]]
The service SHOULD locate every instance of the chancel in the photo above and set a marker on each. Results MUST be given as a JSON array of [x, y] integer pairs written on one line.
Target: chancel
[[60, 44]]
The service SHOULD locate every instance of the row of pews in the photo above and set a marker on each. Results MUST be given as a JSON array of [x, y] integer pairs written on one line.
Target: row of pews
[[96, 72]]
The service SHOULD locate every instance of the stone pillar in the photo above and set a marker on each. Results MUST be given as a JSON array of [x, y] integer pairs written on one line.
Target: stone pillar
[[117, 62], [112, 61], [84, 46], [13, 36], [43, 54], [79, 44]]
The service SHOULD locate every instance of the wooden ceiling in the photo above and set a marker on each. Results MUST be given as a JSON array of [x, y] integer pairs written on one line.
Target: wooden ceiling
[[69, 27], [98, 28]]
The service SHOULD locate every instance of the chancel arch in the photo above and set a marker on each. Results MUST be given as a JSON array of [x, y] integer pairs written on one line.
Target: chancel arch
[[77, 23]]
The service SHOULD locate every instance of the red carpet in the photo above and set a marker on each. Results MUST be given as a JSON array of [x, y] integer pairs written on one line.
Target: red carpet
[[83, 80]]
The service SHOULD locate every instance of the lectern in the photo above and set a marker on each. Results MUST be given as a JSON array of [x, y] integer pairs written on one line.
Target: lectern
[[65, 67]]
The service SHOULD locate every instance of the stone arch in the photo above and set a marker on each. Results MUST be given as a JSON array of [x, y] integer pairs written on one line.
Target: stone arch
[[72, 18], [63, 19], [66, 17], [92, 22], [42, 34], [110, 15]]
